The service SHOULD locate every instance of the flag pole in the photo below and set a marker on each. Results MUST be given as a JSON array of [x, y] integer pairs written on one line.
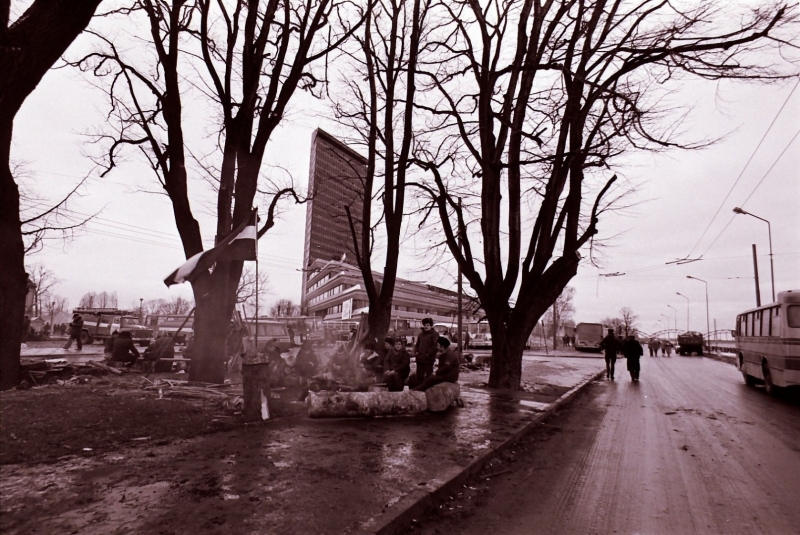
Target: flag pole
[[256, 218]]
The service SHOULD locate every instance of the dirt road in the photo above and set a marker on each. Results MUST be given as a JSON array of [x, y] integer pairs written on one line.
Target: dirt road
[[689, 449]]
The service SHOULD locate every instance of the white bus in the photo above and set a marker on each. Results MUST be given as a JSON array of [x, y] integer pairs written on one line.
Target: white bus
[[768, 343], [588, 336]]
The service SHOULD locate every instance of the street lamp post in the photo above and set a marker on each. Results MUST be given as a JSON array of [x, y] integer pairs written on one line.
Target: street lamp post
[[687, 309], [708, 322], [738, 210], [675, 313], [667, 325]]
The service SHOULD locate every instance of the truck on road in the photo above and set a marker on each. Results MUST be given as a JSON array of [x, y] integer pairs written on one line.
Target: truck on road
[[100, 323], [690, 342]]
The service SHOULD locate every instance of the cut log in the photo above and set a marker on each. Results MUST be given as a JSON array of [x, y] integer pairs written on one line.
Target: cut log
[[349, 404], [255, 387], [104, 367], [442, 396]]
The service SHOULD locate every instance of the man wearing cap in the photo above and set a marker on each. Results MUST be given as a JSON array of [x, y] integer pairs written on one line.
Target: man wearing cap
[[446, 371], [425, 350], [75, 330]]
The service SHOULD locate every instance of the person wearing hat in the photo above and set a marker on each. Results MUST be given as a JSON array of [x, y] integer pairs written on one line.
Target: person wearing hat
[[425, 349], [75, 330], [396, 366], [447, 369]]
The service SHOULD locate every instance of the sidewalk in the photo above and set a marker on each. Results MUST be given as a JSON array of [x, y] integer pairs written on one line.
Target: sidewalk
[[292, 475]]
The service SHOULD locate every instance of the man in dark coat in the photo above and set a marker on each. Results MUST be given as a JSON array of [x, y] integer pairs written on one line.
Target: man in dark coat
[[163, 348], [446, 372], [425, 349], [124, 350], [632, 350], [75, 330], [396, 367], [610, 345]]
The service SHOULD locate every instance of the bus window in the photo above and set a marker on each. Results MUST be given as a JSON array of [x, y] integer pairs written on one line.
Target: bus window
[[793, 316], [775, 326], [765, 322]]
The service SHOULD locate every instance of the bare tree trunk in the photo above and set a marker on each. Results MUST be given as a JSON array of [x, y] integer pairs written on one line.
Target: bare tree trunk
[[12, 267], [215, 302]]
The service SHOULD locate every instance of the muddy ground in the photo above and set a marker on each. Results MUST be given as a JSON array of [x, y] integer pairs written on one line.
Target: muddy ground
[[101, 455]]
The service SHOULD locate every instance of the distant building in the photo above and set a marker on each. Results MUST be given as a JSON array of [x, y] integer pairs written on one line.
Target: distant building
[[333, 288], [336, 292], [336, 179]]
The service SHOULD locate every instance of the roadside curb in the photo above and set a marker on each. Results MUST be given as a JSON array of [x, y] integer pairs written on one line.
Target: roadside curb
[[418, 502]]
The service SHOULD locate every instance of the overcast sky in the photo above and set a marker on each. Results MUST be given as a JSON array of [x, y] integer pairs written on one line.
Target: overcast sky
[[132, 245]]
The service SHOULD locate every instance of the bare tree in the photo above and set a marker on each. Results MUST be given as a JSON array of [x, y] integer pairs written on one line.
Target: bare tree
[[55, 305], [613, 323], [284, 307], [246, 291], [379, 105], [560, 312], [43, 220], [628, 319], [248, 58], [43, 280], [29, 46], [531, 106]]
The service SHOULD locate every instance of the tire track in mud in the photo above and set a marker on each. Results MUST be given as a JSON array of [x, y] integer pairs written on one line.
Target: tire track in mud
[[588, 498]]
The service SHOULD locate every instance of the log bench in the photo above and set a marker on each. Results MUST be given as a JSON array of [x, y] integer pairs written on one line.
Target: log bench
[[326, 404]]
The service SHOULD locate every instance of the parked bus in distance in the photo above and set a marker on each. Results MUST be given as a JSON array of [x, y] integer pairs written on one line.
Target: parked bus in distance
[[479, 334], [169, 324], [588, 336], [768, 343], [269, 330]]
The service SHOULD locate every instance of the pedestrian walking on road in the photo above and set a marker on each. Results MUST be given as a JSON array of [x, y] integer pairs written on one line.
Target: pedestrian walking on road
[[650, 346], [75, 330], [610, 344], [656, 346], [667, 348], [632, 350]]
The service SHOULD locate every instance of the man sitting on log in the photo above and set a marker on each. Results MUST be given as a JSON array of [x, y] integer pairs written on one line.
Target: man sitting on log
[[124, 350], [397, 366], [162, 348], [446, 371]]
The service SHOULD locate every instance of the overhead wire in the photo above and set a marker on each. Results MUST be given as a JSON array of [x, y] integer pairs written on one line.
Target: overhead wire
[[721, 232], [744, 168]]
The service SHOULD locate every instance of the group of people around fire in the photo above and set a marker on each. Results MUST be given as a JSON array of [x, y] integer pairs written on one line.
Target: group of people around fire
[[388, 364]]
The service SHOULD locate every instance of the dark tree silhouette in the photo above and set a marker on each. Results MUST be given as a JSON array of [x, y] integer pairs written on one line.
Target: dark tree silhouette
[[379, 106], [29, 46]]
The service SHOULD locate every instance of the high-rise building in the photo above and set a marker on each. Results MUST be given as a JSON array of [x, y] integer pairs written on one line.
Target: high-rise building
[[336, 179]]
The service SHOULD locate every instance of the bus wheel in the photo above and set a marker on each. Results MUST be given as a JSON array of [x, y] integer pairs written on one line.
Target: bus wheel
[[86, 338], [769, 386]]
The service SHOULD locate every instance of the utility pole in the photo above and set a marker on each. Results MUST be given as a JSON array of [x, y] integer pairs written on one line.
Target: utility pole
[[460, 289], [755, 270]]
